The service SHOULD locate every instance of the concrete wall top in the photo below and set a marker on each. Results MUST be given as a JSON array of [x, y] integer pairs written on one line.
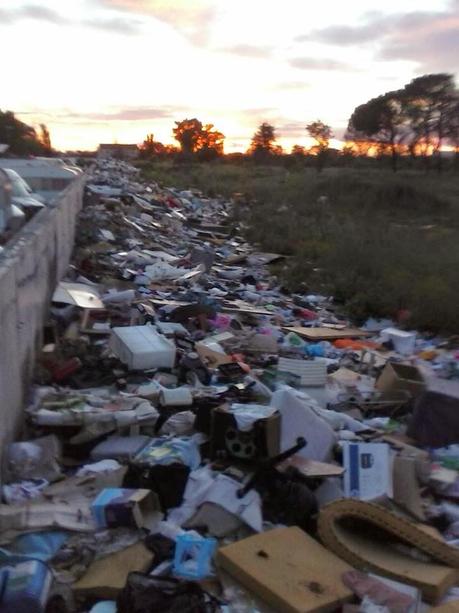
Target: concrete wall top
[[31, 265]]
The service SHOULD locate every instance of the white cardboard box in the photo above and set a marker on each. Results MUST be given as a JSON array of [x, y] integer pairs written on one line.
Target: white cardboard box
[[142, 348], [369, 469]]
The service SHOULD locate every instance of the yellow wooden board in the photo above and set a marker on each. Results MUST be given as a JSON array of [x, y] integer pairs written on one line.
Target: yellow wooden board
[[289, 570]]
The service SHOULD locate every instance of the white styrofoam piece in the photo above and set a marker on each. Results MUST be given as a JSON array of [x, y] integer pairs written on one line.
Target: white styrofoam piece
[[404, 342], [142, 348], [311, 372]]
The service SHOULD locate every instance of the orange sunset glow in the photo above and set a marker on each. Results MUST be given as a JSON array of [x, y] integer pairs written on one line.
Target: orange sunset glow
[[116, 70]]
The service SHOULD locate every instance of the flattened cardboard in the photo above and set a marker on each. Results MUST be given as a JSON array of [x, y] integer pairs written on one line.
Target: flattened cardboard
[[239, 306], [263, 343], [210, 357], [288, 569], [105, 577], [78, 294], [327, 334], [310, 468]]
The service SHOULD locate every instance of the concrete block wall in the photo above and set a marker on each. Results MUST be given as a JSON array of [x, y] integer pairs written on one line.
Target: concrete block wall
[[30, 267]]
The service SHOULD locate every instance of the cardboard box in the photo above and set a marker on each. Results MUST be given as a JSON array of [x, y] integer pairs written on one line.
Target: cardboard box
[[134, 508], [142, 348], [289, 570], [397, 376], [368, 473], [261, 442]]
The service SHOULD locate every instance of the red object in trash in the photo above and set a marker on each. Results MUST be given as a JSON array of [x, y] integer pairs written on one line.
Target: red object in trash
[[308, 314], [64, 370]]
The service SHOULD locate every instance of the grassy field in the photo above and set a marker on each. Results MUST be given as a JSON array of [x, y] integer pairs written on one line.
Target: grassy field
[[378, 242]]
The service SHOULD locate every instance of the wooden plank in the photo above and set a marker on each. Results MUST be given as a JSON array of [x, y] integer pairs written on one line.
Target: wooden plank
[[289, 570]]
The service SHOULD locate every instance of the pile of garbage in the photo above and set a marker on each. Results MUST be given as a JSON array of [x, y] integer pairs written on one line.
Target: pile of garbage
[[199, 439]]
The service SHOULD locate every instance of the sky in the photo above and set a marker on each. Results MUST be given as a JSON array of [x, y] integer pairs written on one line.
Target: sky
[[115, 70]]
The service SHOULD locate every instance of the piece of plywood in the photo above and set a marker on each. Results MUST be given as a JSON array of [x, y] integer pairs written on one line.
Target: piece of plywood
[[288, 569], [327, 334]]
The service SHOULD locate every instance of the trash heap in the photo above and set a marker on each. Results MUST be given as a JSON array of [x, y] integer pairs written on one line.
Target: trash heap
[[199, 439]]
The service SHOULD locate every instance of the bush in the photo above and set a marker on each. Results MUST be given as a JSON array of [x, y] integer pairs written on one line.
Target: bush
[[377, 242]]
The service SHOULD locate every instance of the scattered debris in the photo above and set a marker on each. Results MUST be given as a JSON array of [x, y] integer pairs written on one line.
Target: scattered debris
[[197, 438]]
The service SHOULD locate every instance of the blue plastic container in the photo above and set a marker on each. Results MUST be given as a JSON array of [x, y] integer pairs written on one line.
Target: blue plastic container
[[24, 587], [193, 556]]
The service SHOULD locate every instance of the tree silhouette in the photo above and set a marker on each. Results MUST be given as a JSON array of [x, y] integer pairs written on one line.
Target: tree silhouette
[[264, 138], [381, 120], [263, 144], [151, 148], [194, 137], [45, 138], [321, 133], [210, 144], [298, 151], [21, 138], [430, 105], [418, 119], [453, 129]]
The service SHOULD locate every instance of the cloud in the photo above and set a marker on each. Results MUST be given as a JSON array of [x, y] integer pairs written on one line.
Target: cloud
[[127, 114], [192, 18], [31, 11], [291, 85], [311, 63], [255, 114], [430, 38], [347, 35], [134, 114], [291, 129], [41, 13], [248, 50], [129, 27], [5, 17]]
